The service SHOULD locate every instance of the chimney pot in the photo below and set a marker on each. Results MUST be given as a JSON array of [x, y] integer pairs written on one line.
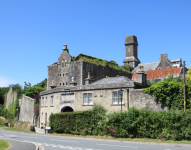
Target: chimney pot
[[65, 46]]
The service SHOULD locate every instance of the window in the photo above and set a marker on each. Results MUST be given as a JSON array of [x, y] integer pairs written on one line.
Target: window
[[63, 74], [88, 99], [52, 82], [60, 75], [63, 84], [42, 118], [117, 98], [66, 74], [52, 101], [60, 84], [42, 102], [46, 102], [63, 63], [66, 83]]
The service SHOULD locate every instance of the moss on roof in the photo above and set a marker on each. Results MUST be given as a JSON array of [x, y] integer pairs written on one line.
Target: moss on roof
[[111, 64]]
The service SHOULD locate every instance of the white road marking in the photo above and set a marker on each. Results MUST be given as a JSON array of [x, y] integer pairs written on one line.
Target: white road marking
[[28, 137], [65, 141], [167, 149], [116, 145]]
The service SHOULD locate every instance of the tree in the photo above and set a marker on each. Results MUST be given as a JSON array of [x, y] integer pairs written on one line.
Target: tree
[[3, 90], [189, 73]]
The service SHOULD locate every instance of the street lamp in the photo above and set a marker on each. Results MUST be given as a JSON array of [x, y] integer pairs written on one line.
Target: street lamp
[[120, 92]]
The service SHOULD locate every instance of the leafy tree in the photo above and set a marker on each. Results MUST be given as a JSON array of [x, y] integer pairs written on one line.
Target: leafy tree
[[3, 91], [189, 73]]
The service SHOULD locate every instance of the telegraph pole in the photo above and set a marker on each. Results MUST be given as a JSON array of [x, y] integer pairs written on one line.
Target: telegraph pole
[[184, 86]]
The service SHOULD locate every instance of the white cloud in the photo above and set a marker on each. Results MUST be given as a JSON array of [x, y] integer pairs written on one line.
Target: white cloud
[[5, 82]]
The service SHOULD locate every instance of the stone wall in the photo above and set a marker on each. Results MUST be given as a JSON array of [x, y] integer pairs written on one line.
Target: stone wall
[[98, 72], [10, 97], [26, 109], [139, 100]]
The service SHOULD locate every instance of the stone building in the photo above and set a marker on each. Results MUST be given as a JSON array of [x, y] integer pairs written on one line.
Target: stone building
[[164, 63], [75, 85], [160, 74], [70, 70]]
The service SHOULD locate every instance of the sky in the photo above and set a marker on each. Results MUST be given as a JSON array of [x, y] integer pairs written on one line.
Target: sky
[[32, 33]]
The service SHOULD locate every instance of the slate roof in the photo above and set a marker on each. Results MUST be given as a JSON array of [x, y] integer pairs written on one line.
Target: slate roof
[[131, 39], [131, 58], [153, 65], [160, 74], [147, 66], [112, 80], [175, 60]]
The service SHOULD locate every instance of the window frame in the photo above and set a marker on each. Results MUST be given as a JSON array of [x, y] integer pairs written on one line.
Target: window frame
[[89, 99], [42, 102], [46, 102], [118, 97], [52, 101]]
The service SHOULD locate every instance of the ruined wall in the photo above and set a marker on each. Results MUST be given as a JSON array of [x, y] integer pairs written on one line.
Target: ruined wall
[[139, 100], [10, 97], [26, 109], [98, 72]]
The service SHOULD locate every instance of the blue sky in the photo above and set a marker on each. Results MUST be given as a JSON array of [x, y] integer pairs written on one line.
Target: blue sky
[[32, 33]]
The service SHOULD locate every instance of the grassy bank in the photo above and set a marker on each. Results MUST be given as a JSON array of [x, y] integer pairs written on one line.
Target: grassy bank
[[15, 129], [4, 145]]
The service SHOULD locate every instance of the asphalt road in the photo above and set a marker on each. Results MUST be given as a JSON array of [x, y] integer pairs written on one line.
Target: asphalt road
[[71, 143]]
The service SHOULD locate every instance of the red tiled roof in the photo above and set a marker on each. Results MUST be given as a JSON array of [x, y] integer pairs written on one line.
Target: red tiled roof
[[160, 74]]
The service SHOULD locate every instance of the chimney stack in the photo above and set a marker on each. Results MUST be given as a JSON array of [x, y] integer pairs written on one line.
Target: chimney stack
[[64, 46]]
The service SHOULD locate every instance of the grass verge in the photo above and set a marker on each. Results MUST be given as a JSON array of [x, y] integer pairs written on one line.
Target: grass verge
[[126, 139], [4, 145], [17, 130]]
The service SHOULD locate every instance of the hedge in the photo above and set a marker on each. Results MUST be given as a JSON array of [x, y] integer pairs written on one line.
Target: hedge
[[135, 123]]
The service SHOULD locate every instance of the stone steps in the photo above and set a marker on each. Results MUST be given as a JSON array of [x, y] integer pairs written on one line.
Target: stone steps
[[39, 131]]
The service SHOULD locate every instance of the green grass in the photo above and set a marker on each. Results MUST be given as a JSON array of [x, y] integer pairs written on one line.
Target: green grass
[[4, 145], [127, 139], [17, 130]]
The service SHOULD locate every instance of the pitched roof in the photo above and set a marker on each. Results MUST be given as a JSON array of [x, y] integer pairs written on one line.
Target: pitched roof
[[160, 74], [147, 66], [113, 80]]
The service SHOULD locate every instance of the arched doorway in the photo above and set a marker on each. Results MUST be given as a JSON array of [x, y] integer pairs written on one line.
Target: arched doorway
[[67, 109]]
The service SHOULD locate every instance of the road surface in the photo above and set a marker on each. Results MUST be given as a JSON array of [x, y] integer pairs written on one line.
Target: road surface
[[50, 142]]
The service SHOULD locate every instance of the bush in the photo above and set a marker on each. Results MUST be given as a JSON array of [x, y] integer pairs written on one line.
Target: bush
[[135, 123], [2, 120], [89, 122]]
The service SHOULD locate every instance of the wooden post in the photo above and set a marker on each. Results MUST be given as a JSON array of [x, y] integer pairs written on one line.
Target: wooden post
[[184, 86]]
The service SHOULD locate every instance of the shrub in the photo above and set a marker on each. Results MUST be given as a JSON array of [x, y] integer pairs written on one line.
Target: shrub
[[144, 123], [2, 120]]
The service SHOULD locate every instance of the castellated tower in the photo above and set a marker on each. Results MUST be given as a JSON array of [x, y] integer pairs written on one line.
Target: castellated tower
[[131, 46]]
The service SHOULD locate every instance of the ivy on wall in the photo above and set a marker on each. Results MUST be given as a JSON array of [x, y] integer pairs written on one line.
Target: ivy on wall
[[170, 91]]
